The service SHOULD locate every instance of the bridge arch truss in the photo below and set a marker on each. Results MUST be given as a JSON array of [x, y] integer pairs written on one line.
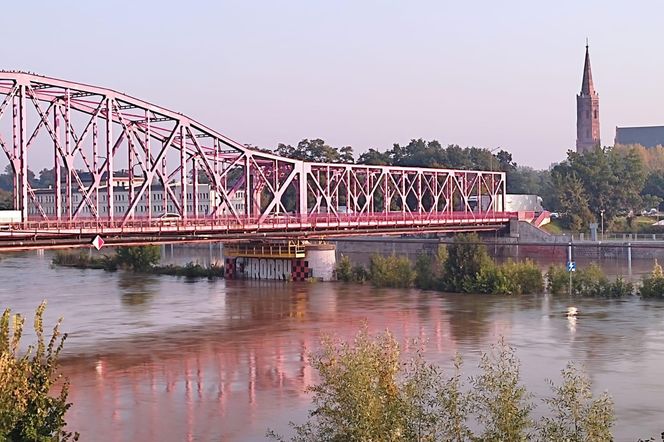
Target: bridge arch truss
[[91, 133]]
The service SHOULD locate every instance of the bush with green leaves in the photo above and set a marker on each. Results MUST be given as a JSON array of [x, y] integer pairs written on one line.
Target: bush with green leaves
[[30, 408], [557, 280], [503, 405], [652, 286], [575, 415], [138, 258], [190, 270], [491, 280], [367, 392], [587, 281], [344, 269], [391, 271], [83, 260], [525, 275], [466, 257]]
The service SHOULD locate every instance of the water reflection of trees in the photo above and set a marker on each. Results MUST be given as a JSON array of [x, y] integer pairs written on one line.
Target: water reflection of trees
[[469, 318], [137, 289]]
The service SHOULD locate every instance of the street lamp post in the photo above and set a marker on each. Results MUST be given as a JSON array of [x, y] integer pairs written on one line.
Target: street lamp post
[[601, 212], [491, 151]]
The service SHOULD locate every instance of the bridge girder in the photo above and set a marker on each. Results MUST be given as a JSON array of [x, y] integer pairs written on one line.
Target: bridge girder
[[94, 131]]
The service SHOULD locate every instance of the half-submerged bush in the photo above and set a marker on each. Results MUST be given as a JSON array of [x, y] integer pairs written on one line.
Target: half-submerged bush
[[391, 271], [587, 281], [557, 280], [83, 260], [653, 285], [367, 392], [29, 408], [190, 270], [138, 258]]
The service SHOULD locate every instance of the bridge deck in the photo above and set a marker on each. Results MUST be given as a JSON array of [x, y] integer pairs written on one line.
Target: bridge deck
[[49, 234]]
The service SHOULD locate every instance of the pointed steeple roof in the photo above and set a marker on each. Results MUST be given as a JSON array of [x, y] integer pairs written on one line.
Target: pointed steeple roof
[[587, 87]]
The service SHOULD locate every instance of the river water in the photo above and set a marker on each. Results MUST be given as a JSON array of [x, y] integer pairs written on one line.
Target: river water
[[158, 358]]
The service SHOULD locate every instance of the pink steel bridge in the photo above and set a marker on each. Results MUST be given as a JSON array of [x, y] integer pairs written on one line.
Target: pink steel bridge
[[89, 134]]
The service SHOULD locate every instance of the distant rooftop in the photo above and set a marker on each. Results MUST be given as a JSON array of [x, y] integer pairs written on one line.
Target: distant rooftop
[[646, 136]]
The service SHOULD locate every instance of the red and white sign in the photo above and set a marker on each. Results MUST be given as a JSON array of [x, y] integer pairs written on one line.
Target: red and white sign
[[98, 242]]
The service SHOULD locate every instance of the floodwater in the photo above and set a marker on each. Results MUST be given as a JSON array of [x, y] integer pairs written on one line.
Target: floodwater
[[158, 358]]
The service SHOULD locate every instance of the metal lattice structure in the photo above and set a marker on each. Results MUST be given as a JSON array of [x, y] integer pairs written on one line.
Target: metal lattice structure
[[97, 139]]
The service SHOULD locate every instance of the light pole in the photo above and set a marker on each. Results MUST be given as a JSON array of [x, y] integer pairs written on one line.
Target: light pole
[[601, 212], [491, 151]]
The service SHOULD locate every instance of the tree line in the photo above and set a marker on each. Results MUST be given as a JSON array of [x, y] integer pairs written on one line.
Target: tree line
[[583, 188], [607, 182]]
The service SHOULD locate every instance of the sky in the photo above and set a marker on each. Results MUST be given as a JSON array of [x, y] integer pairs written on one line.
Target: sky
[[359, 72]]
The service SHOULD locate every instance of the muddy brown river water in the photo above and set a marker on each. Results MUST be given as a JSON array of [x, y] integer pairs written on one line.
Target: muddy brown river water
[[158, 358]]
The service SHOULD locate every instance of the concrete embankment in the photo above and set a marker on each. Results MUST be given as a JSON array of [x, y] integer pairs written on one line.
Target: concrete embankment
[[521, 240]]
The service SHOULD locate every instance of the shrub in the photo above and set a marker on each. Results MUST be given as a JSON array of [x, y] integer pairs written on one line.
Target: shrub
[[502, 403], [425, 277], [588, 281], [359, 396], [525, 275], [344, 270], [190, 270], [140, 258], [391, 271], [491, 280], [366, 392], [575, 414], [617, 288], [28, 409], [653, 284], [465, 259], [83, 260], [359, 273]]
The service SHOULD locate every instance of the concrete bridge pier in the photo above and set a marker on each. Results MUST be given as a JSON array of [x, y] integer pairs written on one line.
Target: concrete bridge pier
[[322, 260]]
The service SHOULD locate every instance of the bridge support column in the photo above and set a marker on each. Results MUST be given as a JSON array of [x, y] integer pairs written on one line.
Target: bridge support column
[[321, 260]]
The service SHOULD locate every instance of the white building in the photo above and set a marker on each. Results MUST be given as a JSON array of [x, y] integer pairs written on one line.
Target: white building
[[158, 204]]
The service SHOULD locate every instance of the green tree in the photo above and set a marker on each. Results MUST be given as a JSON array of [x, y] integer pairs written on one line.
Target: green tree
[[138, 258], [360, 396], [312, 150], [374, 157], [575, 415], [346, 155], [391, 271], [502, 404], [30, 409], [572, 201], [602, 179], [465, 259]]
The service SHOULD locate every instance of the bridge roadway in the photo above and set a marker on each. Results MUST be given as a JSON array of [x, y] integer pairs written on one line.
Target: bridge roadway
[[79, 233]]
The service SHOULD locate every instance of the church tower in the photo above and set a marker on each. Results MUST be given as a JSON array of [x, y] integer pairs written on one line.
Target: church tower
[[587, 111]]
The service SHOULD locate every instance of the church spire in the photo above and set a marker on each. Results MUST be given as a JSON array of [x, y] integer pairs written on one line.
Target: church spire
[[587, 87]]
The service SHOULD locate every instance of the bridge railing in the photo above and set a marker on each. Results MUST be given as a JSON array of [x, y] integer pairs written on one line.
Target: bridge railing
[[285, 221]]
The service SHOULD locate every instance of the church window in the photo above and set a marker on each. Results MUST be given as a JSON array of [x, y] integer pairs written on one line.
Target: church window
[[595, 114]]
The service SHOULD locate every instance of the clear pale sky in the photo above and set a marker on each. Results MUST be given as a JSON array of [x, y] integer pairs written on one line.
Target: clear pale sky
[[359, 73]]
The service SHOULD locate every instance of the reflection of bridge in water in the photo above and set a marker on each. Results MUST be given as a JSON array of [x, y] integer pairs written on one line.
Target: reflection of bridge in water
[[102, 141], [248, 370]]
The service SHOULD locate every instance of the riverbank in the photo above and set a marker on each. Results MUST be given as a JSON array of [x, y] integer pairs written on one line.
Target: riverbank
[[464, 266]]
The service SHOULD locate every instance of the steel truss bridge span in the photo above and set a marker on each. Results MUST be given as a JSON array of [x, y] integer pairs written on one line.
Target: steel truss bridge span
[[125, 168]]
